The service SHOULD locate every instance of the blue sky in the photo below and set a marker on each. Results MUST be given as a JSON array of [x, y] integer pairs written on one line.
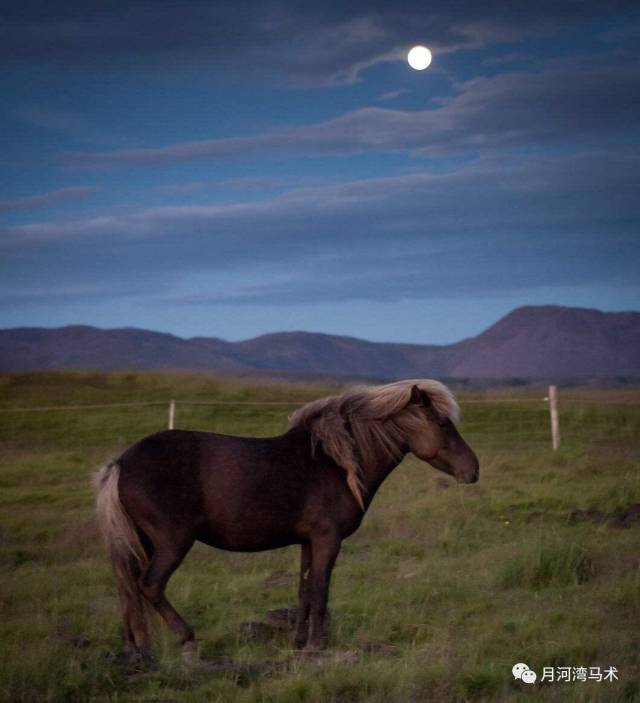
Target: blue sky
[[230, 169]]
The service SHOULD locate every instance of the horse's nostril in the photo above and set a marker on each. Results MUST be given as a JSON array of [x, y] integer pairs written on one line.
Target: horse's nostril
[[472, 476]]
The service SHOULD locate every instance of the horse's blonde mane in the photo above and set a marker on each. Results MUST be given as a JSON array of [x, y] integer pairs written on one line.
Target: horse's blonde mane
[[355, 428]]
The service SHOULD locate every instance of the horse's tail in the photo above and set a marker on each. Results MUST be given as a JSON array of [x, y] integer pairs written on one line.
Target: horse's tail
[[127, 553]]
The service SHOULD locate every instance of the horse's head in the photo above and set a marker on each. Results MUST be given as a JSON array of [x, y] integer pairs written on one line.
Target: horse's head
[[440, 444]]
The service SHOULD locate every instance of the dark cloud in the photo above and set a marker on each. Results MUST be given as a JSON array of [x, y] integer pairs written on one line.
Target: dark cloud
[[404, 278], [570, 102], [311, 43], [63, 294], [512, 57], [488, 226]]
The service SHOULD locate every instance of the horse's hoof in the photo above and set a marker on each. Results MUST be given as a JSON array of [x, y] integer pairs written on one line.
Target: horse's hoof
[[135, 661], [190, 652], [286, 618], [282, 618], [299, 642], [148, 662]]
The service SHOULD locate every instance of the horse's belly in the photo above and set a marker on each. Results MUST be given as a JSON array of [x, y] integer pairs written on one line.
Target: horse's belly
[[245, 538], [242, 513]]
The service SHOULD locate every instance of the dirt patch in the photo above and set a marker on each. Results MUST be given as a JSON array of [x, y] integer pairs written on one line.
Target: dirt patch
[[79, 641], [279, 578], [255, 631], [626, 517], [242, 672], [378, 647], [285, 618], [620, 519], [282, 618]]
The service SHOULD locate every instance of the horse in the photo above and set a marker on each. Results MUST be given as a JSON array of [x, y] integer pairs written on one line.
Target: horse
[[310, 486]]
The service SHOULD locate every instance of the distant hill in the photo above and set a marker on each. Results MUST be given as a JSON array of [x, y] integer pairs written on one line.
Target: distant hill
[[530, 342]]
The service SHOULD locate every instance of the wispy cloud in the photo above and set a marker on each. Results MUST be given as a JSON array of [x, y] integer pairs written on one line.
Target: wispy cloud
[[63, 293], [488, 226], [53, 197], [70, 123], [570, 102], [255, 183], [393, 94], [510, 57], [179, 188]]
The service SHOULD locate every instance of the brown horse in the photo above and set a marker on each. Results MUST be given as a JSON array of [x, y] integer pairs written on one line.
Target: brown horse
[[310, 486]]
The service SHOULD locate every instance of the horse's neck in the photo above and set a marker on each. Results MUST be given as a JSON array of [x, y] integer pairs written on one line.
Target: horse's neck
[[373, 476]]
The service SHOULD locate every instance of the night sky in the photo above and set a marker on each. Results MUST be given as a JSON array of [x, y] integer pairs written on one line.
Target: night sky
[[229, 169]]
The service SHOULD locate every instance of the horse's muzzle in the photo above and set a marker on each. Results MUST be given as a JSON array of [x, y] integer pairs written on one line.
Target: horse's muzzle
[[469, 473]]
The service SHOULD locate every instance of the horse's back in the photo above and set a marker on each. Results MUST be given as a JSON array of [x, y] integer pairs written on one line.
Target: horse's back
[[233, 492], [183, 463]]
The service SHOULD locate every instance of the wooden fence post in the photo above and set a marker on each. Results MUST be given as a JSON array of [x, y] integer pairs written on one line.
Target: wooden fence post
[[555, 422], [172, 413]]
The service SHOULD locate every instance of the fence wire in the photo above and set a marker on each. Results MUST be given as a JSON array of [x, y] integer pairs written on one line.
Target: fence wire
[[500, 423]]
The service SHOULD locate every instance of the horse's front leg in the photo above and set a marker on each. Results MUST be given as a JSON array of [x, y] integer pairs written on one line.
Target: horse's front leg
[[324, 551], [302, 616]]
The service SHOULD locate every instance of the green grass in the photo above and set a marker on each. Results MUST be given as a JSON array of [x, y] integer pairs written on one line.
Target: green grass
[[464, 581]]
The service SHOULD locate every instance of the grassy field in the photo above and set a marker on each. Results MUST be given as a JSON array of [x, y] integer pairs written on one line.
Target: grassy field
[[442, 590]]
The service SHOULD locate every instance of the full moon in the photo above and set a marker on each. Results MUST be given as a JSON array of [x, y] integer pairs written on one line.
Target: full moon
[[419, 58]]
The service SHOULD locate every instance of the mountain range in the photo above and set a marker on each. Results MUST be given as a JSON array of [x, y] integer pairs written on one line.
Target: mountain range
[[530, 342]]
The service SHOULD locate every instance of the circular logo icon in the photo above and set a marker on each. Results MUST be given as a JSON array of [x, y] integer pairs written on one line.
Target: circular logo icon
[[518, 670]]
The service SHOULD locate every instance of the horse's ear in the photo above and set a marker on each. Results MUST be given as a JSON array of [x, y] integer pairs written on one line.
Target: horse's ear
[[416, 396], [419, 397]]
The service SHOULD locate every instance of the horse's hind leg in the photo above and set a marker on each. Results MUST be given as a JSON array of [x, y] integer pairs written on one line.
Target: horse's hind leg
[[137, 645], [167, 556]]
